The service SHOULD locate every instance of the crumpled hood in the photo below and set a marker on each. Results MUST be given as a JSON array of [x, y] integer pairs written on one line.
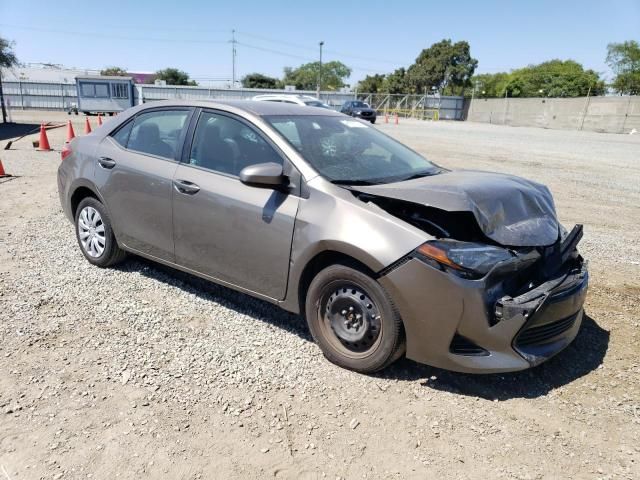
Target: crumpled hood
[[509, 210]]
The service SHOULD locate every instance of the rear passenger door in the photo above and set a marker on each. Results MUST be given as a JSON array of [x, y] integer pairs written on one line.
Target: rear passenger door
[[134, 172], [224, 229]]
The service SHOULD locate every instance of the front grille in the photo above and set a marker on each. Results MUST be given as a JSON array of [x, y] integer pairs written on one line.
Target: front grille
[[365, 114], [463, 346], [538, 335]]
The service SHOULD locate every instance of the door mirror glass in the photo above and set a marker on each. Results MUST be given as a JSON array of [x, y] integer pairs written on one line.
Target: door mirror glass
[[264, 175]]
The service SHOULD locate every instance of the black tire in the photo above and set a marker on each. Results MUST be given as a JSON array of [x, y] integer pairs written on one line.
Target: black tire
[[112, 253], [381, 341], [373, 120]]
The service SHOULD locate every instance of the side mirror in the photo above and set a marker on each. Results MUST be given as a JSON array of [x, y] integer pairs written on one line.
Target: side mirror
[[264, 175]]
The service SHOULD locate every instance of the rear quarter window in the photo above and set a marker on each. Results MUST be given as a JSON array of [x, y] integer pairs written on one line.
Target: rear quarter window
[[121, 136]]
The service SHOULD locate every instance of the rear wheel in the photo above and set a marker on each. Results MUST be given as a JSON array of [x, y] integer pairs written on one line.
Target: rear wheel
[[353, 320], [95, 235]]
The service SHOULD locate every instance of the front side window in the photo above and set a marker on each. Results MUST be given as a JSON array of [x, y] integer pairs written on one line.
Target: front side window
[[349, 151], [224, 144], [158, 133]]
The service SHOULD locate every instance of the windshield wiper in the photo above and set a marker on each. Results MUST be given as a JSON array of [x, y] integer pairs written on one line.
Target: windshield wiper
[[417, 175], [353, 182]]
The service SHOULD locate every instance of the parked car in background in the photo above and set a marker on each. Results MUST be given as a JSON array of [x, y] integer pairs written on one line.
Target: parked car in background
[[359, 109], [304, 100], [381, 250]]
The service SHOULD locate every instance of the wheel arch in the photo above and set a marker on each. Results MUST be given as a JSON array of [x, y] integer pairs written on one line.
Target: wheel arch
[[81, 190]]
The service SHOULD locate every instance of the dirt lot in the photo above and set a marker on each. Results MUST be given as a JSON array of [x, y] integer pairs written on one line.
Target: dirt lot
[[143, 372]]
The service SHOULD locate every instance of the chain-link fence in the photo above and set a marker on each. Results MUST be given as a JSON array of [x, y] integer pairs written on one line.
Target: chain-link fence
[[60, 96], [425, 107]]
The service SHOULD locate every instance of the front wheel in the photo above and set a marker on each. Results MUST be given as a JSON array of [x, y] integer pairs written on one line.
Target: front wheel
[[373, 120], [353, 320]]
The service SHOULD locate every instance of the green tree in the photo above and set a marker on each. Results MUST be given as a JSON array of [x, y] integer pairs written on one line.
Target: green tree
[[489, 85], [258, 80], [305, 77], [7, 60], [114, 72], [624, 60], [555, 78], [371, 83], [443, 64], [173, 76], [396, 82]]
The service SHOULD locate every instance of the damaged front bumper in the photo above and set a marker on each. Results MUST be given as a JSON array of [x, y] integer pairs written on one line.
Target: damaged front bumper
[[475, 326]]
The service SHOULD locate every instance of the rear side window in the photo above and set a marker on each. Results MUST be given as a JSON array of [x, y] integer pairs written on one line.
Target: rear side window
[[122, 135], [157, 133]]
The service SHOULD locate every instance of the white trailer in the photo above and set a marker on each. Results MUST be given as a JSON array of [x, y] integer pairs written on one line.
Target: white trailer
[[101, 94]]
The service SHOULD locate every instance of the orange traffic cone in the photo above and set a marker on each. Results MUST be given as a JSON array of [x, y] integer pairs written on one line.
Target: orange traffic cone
[[70, 133], [87, 126], [2, 172], [43, 143], [396, 119], [99, 120], [386, 118]]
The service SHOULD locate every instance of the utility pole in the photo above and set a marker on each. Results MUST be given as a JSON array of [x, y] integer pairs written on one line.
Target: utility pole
[[233, 59], [320, 72], [4, 112], [473, 94]]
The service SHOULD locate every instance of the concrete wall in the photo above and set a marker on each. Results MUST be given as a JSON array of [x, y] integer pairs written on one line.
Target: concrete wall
[[598, 114]]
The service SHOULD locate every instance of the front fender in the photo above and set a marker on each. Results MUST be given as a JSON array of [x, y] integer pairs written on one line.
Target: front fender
[[333, 220]]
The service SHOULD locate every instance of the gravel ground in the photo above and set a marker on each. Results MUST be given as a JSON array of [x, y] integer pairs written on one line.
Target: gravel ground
[[144, 372]]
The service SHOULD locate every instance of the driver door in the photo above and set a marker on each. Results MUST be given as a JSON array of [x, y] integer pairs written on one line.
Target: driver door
[[224, 229]]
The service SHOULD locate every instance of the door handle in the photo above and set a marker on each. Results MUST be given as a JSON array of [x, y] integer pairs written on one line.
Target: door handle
[[106, 162], [186, 187]]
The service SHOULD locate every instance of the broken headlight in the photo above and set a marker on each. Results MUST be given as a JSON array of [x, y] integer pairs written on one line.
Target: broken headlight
[[467, 259]]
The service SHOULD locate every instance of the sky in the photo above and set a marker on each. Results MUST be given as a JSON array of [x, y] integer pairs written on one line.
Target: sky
[[369, 36]]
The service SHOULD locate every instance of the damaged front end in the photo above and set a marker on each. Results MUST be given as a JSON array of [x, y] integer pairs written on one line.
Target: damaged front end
[[472, 304]]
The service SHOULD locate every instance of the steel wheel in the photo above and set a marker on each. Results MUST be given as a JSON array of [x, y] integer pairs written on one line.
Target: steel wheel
[[91, 232], [350, 319], [353, 319]]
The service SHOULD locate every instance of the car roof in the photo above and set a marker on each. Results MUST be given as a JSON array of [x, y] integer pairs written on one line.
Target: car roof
[[285, 95], [255, 107]]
